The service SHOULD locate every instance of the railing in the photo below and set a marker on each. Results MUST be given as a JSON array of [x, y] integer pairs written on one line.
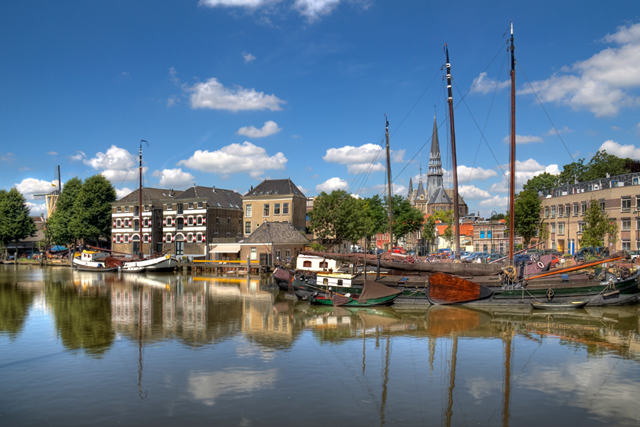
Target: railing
[[222, 261]]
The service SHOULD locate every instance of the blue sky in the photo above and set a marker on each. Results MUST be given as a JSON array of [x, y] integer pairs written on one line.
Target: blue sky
[[230, 92]]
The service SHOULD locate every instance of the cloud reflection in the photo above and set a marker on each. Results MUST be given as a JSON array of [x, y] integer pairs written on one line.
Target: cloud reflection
[[233, 382]]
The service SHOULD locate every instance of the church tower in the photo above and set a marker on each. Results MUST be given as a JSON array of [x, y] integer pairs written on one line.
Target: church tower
[[434, 174]]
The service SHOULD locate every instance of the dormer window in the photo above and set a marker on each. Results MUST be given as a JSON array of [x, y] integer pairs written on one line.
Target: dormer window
[[199, 205], [169, 207], [126, 208]]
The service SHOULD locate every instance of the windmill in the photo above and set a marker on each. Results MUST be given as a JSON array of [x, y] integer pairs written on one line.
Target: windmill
[[52, 198]]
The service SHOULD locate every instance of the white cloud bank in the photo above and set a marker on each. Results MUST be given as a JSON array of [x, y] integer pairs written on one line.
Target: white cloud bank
[[600, 84], [523, 139], [483, 84], [310, 9], [332, 184], [358, 159], [612, 147], [248, 57], [212, 94], [245, 157], [116, 164], [524, 172], [270, 128], [30, 186], [174, 178]]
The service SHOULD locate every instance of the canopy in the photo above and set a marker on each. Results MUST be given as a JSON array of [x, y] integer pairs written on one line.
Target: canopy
[[224, 249], [58, 248]]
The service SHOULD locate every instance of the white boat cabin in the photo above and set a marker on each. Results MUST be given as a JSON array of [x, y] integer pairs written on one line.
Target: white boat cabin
[[316, 263]]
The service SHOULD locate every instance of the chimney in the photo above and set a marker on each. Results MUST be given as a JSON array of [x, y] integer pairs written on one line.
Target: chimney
[[214, 188]]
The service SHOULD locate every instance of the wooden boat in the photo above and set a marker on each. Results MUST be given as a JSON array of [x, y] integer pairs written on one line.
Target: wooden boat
[[570, 305], [373, 294], [97, 269]]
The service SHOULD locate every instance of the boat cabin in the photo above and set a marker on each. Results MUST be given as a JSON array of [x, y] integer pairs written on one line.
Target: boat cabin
[[316, 263]]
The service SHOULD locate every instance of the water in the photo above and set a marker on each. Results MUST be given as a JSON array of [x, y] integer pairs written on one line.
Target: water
[[83, 348]]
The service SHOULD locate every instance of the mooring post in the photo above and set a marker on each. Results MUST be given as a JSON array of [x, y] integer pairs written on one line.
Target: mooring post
[[248, 264]]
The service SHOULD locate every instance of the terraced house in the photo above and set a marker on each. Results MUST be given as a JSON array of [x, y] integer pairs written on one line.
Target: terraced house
[[274, 200], [126, 234], [198, 217]]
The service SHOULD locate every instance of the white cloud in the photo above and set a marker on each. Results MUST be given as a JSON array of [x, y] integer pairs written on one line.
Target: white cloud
[[35, 209], [352, 155], [52, 153], [601, 83], [212, 94], [483, 84], [524, 172], [174, 178], [172, 100], [523, 139], [117, 164], [473, 193], [552, 131], [365, 168], [270, 127], [78, 156], [313, 9], [395, 188], [619, 150], [248, 57], [397, 156], [495, 202], [304, 190], [30, 186], [236, 3], [245, 157], [467, 174], [123, 192], [117, 176], [332, 184]]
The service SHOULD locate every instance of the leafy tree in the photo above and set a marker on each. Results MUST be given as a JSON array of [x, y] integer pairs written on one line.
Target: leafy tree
[[446, 217], [406, 218], [497, 217], [375, 216], [612, 233], [92, 209], [526, 215], [333, 216], [596, 225], [632, 165], [602, 163], [543, 232], [542, 184], [58, 230], [572, 172], [15, 222], [14, 307], [429, 230]]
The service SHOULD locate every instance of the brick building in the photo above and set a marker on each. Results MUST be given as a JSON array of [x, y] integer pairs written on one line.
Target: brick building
[[274, 200]]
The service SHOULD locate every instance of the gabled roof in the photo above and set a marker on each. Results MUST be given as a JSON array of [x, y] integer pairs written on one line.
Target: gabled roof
[[439, 196], [149, 195], [276, 232], [420, 191], [216, 197], [274, 187], [450, 194], [465, 229]]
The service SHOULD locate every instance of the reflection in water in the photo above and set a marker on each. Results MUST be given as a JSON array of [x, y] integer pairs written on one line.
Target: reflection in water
[[235, 344]]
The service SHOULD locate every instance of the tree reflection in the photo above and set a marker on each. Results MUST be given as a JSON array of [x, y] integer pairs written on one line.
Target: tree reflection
[[14, 307], [82, 322]]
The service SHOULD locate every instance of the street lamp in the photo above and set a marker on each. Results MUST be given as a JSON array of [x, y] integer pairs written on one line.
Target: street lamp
[[491, 222]]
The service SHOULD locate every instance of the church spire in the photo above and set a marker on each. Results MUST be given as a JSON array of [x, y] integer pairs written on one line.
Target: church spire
[[434, 174]]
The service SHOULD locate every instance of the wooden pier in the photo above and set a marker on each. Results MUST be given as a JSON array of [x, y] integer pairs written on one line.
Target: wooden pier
[[225, 267]]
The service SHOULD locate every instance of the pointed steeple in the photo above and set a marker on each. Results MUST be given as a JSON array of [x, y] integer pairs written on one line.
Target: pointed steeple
[[420, 193], [434, 175], [410, 189]]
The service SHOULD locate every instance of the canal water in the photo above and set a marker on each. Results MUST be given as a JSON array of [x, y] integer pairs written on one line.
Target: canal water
[[166, 349]]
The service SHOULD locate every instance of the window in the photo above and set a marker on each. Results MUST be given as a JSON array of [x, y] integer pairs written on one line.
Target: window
[[489, 234], [179, 245], [254, 253], [575, 209], [199, 237], [180, 223], [561, 228], [265, 210], [190, 221], [199, 205], [190, 205], [118, 209], [626, 225], [118, 223], [247, 227], [136, 210], [169, 206], [217, 220], [229, 221], [560, 211], [626, 204], [278, 254], [276, 208], [553, 227], [287, 253], [482, 234], [626, 245], [199, 220], [583, 208], [126, 238], [306, 264], [546, 212], [180, 207], [553, 244], [248, 211], [126, 208], [285, 209], [553, 211], [146, 208], [136, 225], [602, 205], [580, 227]]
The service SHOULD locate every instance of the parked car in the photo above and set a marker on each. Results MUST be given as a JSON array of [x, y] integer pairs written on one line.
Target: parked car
[[590, 251], [552, 252], [554, 261], [397, 250], [463, 258], [521, 259]]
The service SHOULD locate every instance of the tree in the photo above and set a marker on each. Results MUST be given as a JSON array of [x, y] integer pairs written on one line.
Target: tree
[[526, 215], [406, 218], [496, 217], [374, 217], [58, 230], [542, 184], [572, 172], [15, 220], [446, 217], [429, 230], [612, 233], [543, 234], [602, 164], [596, 225], [92, 209], [332, 216]]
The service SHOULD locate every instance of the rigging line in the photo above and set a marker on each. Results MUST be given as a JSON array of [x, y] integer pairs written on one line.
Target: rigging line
[[488, 114], [126, 175], [475, 82], [364, 175], [476, 123], [416, 103], [545, 111]]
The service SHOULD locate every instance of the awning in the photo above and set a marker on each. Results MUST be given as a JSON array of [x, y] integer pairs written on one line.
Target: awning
[[224, 249]]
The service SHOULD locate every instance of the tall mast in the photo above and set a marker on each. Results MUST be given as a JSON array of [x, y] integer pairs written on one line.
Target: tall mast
[[389, 184], [140, 202], [512, 160], [454, 161]]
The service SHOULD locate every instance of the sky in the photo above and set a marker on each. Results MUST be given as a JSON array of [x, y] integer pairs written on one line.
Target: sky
[[228, 93]]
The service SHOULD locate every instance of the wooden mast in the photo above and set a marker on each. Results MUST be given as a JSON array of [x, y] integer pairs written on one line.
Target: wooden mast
[[454, 161], [140, 201], [389, 186], [512, 160]]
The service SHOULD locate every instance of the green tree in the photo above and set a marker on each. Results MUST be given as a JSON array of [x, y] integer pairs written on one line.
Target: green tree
[[14, 309], [446, 217], [429, 230], [58, 230], [374, 217], [92, 209], [572, 172], [15, 221], [497, 217], [602, 164], [612, 233], [543, 234], [542, 184], [596, 225], [332, 217], [406, 218], [526, 215]]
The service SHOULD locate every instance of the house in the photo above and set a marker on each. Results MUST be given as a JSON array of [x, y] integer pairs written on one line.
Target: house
[[274, 200], [198, 217], [492, 236], [279, 240], [125, 218]]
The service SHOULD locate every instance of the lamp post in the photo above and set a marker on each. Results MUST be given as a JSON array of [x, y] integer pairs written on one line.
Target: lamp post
[[491, 222]]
